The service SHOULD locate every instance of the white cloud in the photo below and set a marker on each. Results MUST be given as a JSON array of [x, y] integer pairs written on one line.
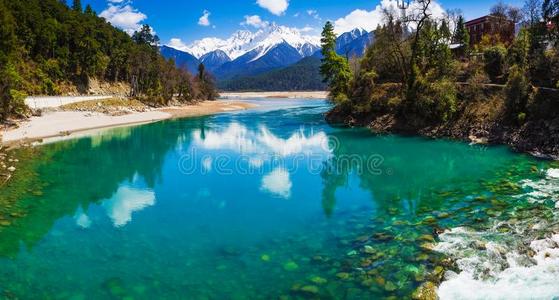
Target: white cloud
[[254, 21], [177, 44], [205, 19], [313, 13], [369, 20], [124, 17], [277, 183], [277, 7]]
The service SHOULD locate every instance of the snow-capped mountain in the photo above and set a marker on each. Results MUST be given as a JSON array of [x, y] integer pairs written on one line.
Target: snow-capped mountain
[[354, 43], [273, 47], [215, 59], [253, 62], [263, 40], [348, 37]]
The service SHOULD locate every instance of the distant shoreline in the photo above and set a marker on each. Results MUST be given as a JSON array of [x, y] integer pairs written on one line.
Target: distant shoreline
[[59, 125], [292, 94]]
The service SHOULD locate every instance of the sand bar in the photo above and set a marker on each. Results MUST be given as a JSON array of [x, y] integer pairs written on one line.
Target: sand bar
[[70, 123]]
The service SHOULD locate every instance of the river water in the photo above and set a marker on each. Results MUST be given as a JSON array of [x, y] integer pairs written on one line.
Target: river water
[[273, 202]]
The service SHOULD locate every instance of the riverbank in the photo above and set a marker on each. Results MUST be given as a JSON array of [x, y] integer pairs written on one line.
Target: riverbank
[[482, 121], [294, 94], [62, 123]]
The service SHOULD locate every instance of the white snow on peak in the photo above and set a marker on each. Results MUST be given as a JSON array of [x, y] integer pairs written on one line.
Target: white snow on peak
[[263, 40]]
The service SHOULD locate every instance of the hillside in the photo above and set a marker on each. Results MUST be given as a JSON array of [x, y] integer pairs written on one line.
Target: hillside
[[303, 75], [48, 48]]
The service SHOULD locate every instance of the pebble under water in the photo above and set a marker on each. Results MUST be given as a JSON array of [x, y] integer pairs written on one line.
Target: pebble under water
[[275, 203]]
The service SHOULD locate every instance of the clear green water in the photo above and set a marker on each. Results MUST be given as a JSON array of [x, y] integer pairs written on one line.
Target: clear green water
[[259, 204]]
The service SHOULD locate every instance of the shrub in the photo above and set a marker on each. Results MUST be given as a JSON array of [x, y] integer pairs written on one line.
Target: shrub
[[494, 58], [436, 101], [518, 91], [475, 85], [18, 102]]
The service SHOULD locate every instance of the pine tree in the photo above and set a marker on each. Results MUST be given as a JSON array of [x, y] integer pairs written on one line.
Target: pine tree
[[335, 69], [206, 84], [89, 11], [328, 40], [77, 5], [462, 35]]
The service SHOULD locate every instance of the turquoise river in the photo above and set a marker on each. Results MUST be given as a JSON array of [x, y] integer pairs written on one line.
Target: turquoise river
[[273, 203]]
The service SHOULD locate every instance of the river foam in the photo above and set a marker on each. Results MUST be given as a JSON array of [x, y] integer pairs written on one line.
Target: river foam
[[520, 263]]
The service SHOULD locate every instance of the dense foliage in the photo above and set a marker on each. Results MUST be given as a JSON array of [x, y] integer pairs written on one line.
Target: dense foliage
[[301, 76], [47, 47], [410, 70], [335, 68]]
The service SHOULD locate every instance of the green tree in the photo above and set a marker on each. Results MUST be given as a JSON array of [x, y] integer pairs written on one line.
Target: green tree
[[334, 69], [89, 11], [518, 52], [145, 36], [77, 5], [462, 35], [518, 91], [206, 84]]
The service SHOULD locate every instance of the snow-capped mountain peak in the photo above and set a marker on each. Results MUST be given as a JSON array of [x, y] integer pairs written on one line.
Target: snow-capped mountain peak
[[263, 40]]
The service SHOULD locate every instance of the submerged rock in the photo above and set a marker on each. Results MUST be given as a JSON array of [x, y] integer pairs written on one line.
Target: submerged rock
[[427, 238], [343, 275], [368, 249], [309, 289], [318, 280], [290, 266], [427, 291], [390, 286]]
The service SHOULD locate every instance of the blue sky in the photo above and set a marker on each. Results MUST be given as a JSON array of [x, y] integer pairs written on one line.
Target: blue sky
[[184, 19]]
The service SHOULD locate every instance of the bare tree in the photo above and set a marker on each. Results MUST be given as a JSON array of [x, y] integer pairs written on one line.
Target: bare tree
[[452, 16], [499, 10], [419, 17], [532, 11], [514, 14]]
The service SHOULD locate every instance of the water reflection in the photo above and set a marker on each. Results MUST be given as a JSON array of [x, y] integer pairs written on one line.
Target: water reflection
[[278, 183], [262, 142], [126, 201]]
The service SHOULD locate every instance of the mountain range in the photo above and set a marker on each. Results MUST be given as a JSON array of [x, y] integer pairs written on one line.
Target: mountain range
[[272, 48]]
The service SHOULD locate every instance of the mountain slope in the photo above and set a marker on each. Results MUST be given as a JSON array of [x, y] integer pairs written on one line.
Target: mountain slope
[[303, 75], [357, 46], [182, 59], [263, 40], [353, 43], [253, 62], [214, 59]]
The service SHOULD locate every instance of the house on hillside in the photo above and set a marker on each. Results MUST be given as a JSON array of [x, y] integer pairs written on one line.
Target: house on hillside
[[492, 26]]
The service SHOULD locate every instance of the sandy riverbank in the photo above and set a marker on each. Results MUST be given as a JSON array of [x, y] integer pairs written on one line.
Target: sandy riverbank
[[72, 123], [248, 95]]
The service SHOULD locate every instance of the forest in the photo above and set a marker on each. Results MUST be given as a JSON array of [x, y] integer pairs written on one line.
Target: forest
[[301, 76], [46, 46], [411, 72]]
